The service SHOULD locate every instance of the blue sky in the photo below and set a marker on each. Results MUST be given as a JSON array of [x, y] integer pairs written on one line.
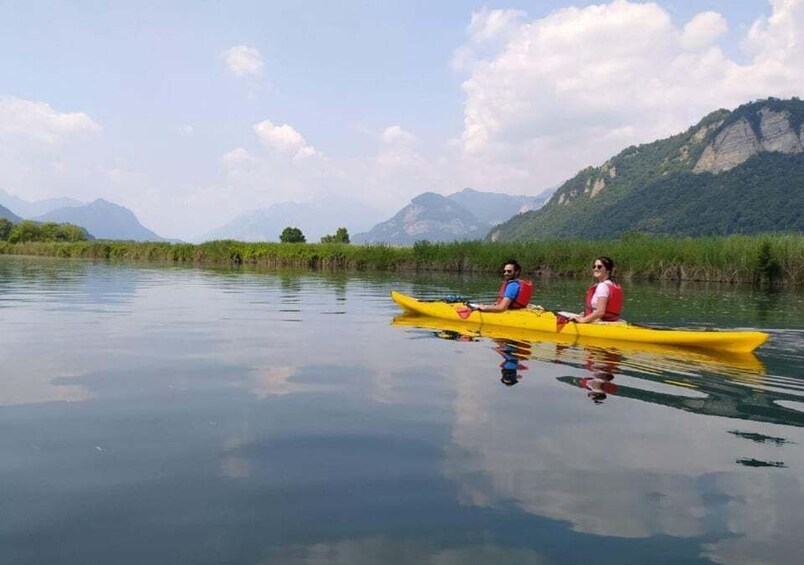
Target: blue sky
[[192, 112]]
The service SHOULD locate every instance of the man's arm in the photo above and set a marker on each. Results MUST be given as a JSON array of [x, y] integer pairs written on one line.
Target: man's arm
[[500, 306]]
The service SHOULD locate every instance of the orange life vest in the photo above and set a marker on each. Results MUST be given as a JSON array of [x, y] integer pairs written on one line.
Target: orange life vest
[[522, 299], [614, 304]]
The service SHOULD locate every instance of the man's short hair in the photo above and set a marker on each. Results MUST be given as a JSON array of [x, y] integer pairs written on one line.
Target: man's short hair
[[517, 268]]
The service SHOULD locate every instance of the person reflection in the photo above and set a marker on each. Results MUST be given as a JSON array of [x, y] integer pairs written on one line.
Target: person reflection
[[512, 352], [602, 365]]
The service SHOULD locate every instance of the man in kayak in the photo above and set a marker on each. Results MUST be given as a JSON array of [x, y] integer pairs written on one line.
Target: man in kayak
[[514, 292]]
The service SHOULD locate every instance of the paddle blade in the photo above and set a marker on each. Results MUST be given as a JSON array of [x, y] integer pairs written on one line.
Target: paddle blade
[[463, 311], [561, 321]]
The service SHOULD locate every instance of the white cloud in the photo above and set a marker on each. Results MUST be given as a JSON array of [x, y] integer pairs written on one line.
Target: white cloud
[[382, 182], [398, 151], [579, 85], [491, 25], [703, 29], [396, 135], [47, 152], [488, 28], [237, 157], [244, 61], [254, 178], [284, 139], [38, 121], [778, 39]]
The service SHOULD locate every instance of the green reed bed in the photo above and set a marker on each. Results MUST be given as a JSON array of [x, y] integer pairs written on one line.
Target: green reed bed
[[325, 255], [743, 259]]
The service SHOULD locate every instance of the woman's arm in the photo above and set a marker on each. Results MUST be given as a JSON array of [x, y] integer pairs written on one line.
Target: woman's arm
[[600, 311]]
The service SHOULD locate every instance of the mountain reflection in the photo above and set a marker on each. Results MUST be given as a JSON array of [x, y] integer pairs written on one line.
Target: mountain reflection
[[625, 469]]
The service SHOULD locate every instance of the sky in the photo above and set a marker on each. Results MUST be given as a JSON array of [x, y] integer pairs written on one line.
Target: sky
[[190, 113]]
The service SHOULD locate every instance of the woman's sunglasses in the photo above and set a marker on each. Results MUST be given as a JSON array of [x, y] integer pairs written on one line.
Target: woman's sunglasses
[[597, 267]]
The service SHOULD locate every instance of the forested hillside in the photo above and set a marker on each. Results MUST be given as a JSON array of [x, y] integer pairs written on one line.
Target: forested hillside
[[734, 172]]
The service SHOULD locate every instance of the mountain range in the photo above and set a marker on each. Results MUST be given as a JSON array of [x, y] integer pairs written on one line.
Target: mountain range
[[25, 209], [464, 215], [9, 215], [315, 219], [101, 218], [736, 171], [104, 220]]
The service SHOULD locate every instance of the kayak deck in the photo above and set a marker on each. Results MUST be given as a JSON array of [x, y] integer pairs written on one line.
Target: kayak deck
[[546, 321]]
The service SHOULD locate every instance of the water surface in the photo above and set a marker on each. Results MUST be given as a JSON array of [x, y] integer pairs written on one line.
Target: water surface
[[174, 415]]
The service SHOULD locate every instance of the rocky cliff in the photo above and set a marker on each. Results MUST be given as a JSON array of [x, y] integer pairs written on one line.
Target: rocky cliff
[[738, 141]]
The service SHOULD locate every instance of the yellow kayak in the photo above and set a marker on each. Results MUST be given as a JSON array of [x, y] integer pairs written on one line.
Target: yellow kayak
[[548, 322]]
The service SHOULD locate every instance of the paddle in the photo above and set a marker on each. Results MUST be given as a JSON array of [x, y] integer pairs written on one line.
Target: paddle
[[466, 310], [562, 319]]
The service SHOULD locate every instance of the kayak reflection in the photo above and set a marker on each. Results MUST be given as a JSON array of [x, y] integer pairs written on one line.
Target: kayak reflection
[[688, 380], [574, 349]]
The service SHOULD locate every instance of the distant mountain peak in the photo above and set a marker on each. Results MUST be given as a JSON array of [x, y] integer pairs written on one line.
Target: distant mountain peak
[[9, 215], [25, 209], [426, 198], [104, 220], [466, 191], [468, 214], [315, 219]]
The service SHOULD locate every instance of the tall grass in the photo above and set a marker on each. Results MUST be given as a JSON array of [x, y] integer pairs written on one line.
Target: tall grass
[[738, 259], [325, 255]]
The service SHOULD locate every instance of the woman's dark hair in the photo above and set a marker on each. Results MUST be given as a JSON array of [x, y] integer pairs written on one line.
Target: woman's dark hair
[[517, 268], [607, 262]]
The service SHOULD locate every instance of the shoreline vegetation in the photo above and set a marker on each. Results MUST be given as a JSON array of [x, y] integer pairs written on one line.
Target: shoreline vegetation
[[762, 259]]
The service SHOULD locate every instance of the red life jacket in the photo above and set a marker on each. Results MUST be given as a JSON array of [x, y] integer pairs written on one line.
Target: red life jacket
[[522, 299], [607, 386], [614, 304]]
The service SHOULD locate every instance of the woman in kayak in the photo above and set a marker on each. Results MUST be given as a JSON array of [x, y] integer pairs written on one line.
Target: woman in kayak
[[604, 299]]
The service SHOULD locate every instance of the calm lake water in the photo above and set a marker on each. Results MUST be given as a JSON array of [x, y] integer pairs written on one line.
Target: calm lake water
[[171, 416]]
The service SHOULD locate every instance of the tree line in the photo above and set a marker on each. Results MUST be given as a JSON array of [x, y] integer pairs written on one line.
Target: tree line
[[30, 231], [295, 235]]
